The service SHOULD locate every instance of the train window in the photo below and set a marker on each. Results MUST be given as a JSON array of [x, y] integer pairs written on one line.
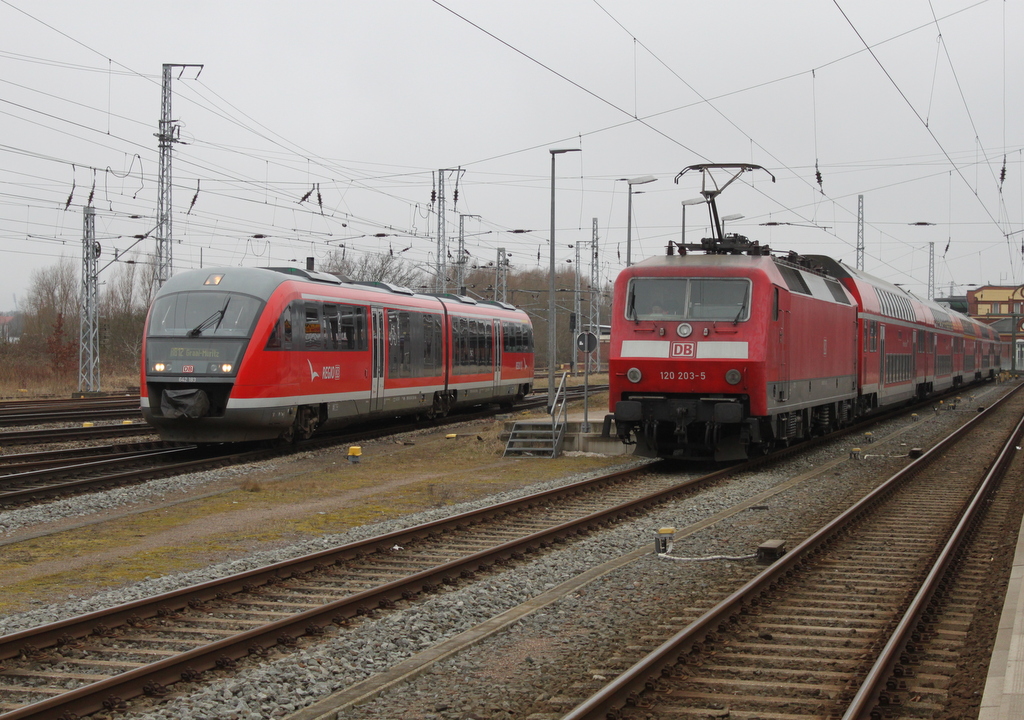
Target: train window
[[281, 334], [472, 346], [718, 299], [431, 346], [399, 344], [775, 305], [313, 335], [871, 336], [688, 299], [794, 280], [517, 337], [836, 289], [215, 313], [344, 327]]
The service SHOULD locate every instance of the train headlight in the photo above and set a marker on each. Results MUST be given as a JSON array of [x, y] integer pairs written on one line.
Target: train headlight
[[159, 367], [226, 367], [684, 329], [733, 377], [634, 375]]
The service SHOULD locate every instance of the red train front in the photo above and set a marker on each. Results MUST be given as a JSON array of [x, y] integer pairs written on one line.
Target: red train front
[[728, 353]]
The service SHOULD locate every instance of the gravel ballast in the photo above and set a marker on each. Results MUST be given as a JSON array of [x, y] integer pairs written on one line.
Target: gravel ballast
[[532, 667]]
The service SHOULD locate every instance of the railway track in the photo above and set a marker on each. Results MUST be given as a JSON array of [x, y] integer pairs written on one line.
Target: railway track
[[37, 477], [269, 610], [294, 595], [144, 646], [66, 472], [865, 618], [64, 411], [128, 428]]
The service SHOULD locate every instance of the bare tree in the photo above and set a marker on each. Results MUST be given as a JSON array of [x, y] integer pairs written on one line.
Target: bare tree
[[51, 318], [377, 267], [123, 309]]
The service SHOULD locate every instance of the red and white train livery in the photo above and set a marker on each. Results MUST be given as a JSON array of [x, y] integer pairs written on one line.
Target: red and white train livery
[[733, 351], [239, 354]]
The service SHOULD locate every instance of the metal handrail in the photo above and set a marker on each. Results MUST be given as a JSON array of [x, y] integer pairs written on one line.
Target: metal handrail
[[559, 415]]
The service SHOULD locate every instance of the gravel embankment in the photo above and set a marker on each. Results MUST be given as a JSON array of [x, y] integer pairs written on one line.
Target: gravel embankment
[[533, 666]]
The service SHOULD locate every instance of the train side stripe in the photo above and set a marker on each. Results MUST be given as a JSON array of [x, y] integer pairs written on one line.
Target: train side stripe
[[722, 350], [707, 350], [644, 349]]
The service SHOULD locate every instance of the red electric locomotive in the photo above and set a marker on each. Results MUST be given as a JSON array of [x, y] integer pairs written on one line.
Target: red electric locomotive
[[239, 354], [731, 352]]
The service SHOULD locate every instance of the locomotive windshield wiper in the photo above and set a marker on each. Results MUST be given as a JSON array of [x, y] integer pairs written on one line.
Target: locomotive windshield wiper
[[218, 316], [743, 306]]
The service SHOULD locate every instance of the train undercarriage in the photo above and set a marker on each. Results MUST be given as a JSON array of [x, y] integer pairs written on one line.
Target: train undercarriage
[[720, 428]]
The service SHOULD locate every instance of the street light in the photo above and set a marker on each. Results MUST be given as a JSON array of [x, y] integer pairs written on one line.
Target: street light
[[691, 201], [551, 285], [629, 209]]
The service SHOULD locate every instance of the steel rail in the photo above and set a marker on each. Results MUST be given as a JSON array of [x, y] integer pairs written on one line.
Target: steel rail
[[28, 437], [625, 689], [873, 689], [91, 698], [208, 463]]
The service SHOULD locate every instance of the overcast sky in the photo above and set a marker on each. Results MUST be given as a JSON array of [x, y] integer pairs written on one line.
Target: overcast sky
[[912, 104]]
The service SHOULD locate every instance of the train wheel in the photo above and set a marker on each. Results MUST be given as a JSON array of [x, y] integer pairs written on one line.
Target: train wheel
[[307, 419]]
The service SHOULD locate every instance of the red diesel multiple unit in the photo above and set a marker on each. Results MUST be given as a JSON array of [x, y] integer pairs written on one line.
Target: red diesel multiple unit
[[239, 354], [734, 351]]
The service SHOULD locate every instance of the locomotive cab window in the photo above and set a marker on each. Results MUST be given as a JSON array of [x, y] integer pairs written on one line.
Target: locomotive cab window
[[655, 298]]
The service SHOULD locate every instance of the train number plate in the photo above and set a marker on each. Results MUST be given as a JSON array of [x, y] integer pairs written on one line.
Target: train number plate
[[188, 368]]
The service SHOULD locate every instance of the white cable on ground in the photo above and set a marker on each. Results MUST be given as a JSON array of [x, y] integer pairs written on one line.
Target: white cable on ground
[[703, 559]]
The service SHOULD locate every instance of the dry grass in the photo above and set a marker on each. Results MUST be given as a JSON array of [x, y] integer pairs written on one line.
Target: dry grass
[[299, 498], [43, 384]]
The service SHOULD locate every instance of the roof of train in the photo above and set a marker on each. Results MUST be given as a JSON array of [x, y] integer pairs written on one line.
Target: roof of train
[[886, 298], [261, 282]]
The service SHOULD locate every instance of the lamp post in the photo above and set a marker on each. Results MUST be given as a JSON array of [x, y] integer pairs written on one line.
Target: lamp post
[[551, 285], [691, 201], [629, 210]]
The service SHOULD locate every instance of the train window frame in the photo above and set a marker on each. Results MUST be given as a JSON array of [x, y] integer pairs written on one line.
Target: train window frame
[[683, 306], [349, 335], [168, 310], [312, 327]]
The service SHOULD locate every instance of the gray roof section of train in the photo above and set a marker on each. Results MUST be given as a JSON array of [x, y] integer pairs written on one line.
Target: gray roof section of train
[[261, 282]]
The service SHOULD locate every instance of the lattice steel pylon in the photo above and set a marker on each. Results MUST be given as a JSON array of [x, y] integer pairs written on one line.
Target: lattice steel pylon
[[166, 138], [594, 358], [441, 266], [89, 317], [860, 232], [501, 276], [931, 271]]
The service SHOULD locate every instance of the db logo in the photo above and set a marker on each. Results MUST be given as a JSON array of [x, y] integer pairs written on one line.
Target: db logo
[[682, 350]]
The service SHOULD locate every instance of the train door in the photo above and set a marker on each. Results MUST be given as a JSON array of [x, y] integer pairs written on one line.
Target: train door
[[913, 355], [498, 348], [780, 313], [378, 362], [882, 379]]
